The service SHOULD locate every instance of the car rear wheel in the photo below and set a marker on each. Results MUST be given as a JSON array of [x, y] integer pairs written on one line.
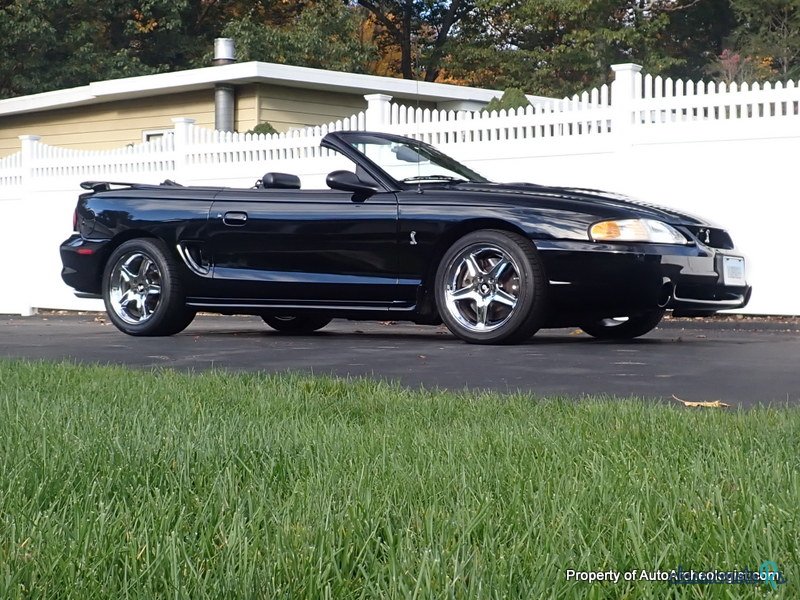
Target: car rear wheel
[[142, 290], [296, 324], [490, 288], [624, 328]]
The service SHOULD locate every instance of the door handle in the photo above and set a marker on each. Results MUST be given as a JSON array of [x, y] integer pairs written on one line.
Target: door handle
[[235, 218]]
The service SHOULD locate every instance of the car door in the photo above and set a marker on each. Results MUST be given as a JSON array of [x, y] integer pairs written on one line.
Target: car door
[[317, 247]]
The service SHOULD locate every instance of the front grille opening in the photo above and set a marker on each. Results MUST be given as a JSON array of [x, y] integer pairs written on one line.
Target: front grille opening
[[711, 236]]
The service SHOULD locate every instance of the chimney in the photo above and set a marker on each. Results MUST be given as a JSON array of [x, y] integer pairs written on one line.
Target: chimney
[[224, 93]]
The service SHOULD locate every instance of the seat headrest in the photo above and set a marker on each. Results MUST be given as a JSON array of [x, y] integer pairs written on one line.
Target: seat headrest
[[281, 180]]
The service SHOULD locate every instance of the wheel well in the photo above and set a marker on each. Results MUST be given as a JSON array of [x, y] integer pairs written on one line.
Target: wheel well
[[112, 245], [450, 238]]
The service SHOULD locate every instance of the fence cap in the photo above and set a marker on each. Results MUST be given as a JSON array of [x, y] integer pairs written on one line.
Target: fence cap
[[623, 67]]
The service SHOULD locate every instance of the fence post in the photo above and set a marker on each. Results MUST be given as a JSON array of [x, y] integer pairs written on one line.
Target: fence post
[[20, 283], [624, 93], [377, 115], [181, 140], [27, 155]]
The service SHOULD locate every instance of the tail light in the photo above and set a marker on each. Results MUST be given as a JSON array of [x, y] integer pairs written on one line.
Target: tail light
[[75, 220]]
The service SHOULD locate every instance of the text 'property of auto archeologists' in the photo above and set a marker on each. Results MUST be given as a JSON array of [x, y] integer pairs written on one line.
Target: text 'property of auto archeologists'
[[767, 574]]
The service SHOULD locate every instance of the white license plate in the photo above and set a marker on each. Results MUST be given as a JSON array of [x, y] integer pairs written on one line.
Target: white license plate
[[733, 270]]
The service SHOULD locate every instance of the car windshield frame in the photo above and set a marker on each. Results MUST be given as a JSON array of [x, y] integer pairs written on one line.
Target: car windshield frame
[[407, 162]]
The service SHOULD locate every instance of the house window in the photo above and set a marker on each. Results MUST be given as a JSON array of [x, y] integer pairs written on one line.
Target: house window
[[151, 135]]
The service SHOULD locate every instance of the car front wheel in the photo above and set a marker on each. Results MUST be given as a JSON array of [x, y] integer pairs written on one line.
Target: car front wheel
[[490, 288], [142, 290], [624, 328]]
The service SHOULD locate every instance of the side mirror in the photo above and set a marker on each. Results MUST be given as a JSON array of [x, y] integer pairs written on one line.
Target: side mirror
[[348, 181]]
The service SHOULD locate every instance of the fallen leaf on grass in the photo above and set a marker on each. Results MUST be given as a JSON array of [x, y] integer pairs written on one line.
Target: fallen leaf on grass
[[711, 404]]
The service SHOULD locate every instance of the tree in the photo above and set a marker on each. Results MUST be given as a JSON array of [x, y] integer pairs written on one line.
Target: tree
[[326, 34], [511, 98], [559, 47], [65, 43], [55, 44], [770, 30], [420, 29], [732, 67], [695, 35]]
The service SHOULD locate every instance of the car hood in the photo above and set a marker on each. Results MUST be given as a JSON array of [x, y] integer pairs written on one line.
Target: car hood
[[530, 193]]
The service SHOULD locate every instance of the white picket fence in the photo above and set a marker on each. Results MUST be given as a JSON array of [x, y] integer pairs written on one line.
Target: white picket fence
[[727, 153], [11, 173]]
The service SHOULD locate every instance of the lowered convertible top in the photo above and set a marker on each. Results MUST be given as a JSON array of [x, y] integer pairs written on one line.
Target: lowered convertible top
[[104, 186]]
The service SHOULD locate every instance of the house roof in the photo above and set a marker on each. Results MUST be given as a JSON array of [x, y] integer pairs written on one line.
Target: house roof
[[242, 73]]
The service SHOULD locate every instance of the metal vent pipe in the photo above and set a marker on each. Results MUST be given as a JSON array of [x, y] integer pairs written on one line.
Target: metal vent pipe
[[224, 93], [224, 51]]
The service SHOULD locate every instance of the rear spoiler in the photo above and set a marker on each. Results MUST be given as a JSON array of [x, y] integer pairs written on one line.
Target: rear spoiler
[[104, 186]]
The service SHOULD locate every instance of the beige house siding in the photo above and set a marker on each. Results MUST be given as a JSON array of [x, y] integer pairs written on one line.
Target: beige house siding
[[111, 124], [286, 108], [246, 116]]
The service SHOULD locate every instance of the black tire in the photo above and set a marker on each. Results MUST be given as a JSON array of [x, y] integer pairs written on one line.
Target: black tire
[[296, 324], [631, 327], [498, 304], [143, 291]]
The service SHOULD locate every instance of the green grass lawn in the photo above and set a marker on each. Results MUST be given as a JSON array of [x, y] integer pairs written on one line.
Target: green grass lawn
[[127, 484]]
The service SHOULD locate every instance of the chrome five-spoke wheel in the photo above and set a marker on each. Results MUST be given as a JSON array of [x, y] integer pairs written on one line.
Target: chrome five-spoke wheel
[[489, 287], [135, 287], [482, 287], [142, 289]]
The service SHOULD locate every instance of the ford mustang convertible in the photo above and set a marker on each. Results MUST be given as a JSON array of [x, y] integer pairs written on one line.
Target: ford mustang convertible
[[403, 233]]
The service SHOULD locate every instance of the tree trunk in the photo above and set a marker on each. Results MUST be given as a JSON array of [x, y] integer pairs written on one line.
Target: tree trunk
[[406, 59]]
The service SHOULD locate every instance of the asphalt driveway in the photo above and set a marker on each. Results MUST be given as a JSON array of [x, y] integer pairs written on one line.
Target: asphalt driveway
[[742, 362]]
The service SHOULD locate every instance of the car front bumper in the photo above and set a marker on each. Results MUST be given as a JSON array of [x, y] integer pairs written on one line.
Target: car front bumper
[[618, 279]]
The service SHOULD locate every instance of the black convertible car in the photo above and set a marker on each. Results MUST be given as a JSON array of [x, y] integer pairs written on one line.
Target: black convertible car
[[406, 234]]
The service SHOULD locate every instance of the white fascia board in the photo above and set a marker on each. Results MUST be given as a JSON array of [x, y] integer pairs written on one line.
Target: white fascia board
[[170, 83], [357, 83], [240, 73], [46, 100]]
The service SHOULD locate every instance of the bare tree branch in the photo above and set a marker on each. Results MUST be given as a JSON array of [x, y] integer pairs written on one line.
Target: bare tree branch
[[666, 5]]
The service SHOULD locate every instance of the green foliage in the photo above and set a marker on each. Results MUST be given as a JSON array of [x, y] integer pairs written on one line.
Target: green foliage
[[560, 47], [59, 44], [56, 44], [545, 47], [769, 34], [511, 98], [694, 36], [147, 485], [418, 30], [324, 35], [264, 128]]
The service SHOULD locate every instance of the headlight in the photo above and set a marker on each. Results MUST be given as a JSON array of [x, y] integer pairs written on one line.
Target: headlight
[[636, 230]]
